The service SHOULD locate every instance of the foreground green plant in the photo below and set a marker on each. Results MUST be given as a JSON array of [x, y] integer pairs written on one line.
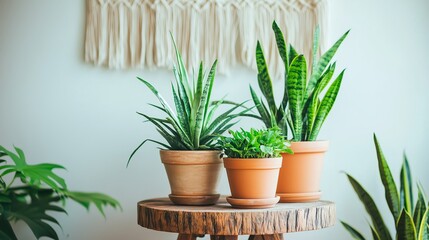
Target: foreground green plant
[[266, 143], [41, 191], [193, 125], [303, 107], [412, 220]]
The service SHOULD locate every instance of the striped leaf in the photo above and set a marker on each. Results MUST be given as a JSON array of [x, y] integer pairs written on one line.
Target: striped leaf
[[281, 45], [183, 75], [405, 229], [184, 98], [371, 209], [325, 106], [355, 234], [390, 190], [203, 105], [292, 54], [420, 209], [295, 90], [181, 114], [423, 232], [406, 188], [264, 79], [323, 63], [261, 110]]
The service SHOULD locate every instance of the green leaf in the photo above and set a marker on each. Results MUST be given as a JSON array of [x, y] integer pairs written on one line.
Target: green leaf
[[325, 106], [374, 233], [423, 229], [262, 112], [281, 45], [183, 75], [405, 227], [292, 54], [296, 89], [99, 200], [371, 209], [141, 144], [420, 209], [323, 62], [406, 189], [6, 231], [353, 232], [391, 192], [264, 79]]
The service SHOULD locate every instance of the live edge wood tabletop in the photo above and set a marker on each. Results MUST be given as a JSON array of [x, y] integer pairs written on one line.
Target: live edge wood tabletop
[[222, 222]]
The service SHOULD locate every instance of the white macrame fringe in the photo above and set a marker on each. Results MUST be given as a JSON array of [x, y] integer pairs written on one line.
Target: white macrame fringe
[[135, 33]]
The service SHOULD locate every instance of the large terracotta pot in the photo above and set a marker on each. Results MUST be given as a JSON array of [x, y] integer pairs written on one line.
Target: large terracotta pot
[[299, 179], [252, 181], [193, 176]]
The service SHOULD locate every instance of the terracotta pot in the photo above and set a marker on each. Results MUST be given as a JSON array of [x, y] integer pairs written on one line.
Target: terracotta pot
[[253, 181], [299, 179], [193, 176]]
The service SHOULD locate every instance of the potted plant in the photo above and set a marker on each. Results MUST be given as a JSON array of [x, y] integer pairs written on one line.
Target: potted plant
[[190, 157], [41, 191], [303, 109], [252, 164], [411, 217]]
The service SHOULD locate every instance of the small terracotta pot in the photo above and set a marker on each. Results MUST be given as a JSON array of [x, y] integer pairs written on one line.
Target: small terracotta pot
[[193, 176], [253, 181], [299, 179]]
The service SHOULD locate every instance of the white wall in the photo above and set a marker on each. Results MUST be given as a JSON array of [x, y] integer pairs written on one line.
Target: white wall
[[59, 109]]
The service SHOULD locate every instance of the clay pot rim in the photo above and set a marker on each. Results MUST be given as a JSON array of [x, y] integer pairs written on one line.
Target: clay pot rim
[[195, 157], [309, 146], [253, 163]]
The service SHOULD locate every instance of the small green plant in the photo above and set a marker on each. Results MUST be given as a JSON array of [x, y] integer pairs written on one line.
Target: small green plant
[[411, 220], [42, 191], [302, 108], [193, 125], [266, 143]]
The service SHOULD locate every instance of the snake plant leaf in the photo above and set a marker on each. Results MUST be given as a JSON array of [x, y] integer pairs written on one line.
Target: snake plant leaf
[[141, 144], [185, 99], [323, 62], [420, 209], [316, 36], [405, 228], [374, 233], [204, 103], [183, 75], [325, 106], [264, 79], [261, 110], [292, 54], [181, 113], [390, 190], [296, 89], [371, 209], [353, 232], [406, 188], [281, 45], [423, 229]]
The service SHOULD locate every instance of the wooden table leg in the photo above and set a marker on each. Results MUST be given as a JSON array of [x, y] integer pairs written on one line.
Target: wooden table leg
[[188, 236], [267, 237], [223, 237]]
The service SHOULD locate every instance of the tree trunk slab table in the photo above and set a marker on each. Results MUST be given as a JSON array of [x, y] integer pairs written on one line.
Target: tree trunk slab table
[[222, 222]]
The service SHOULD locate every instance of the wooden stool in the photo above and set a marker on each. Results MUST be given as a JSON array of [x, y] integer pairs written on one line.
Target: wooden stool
[[222, 222]]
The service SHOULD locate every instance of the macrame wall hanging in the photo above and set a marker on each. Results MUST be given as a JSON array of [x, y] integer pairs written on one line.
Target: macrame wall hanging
[[135, 33]]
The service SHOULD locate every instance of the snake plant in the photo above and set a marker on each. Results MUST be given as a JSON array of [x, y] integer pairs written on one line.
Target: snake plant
[[411, 220], [193, 126], [40, 193], [304, 107]]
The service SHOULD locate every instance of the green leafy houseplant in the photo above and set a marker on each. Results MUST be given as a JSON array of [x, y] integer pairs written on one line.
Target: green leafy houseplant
[[411, 220], [193, 125], [303, 107], [42, 191], [266, 143]]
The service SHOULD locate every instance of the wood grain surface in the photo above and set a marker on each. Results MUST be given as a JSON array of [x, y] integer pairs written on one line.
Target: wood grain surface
[[223, 220]]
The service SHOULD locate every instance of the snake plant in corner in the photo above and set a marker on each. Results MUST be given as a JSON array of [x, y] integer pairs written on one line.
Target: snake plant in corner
[[41, 191], [411, 219], [191, 159], [307, 99]]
